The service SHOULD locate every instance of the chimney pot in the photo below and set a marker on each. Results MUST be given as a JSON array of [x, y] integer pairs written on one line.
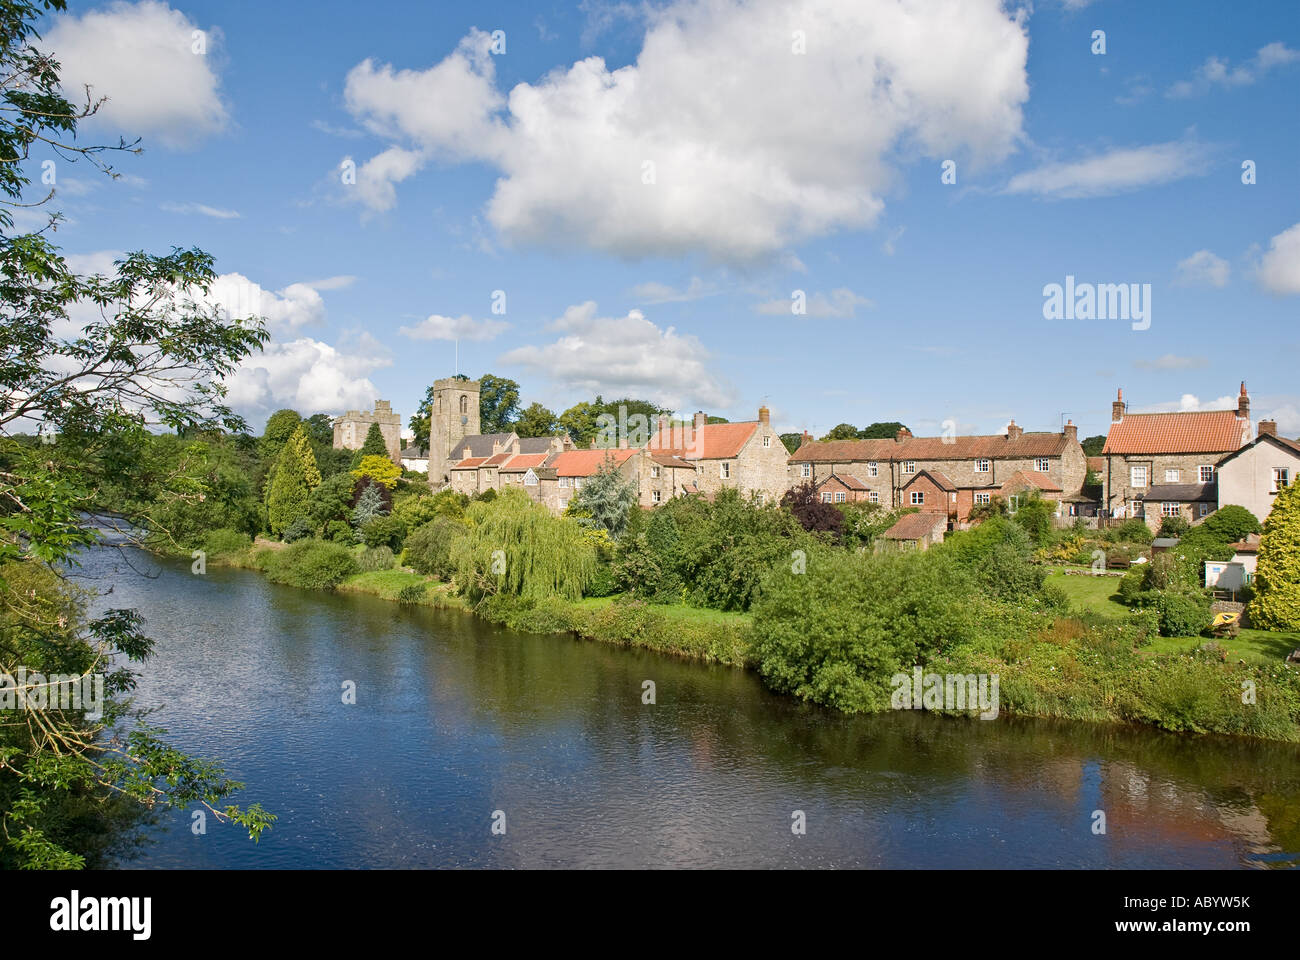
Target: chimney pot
[[1071, 431], [764, 415], [1117, 408], [1243, 403]]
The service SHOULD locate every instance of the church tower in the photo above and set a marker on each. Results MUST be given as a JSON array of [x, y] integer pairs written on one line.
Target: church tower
[[453, 417]]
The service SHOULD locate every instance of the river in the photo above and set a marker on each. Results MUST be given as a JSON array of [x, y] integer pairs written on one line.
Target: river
[[456, 719]]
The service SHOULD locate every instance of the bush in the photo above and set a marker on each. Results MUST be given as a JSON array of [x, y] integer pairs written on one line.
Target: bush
[[428, 548], [412, 593], [1133, 530], [1182, 614], [298, 528], [340, 531], [375, 558], [312, 564], [1132, 586], [1174, 527], [382, 531], [605, 583], [226, 542]]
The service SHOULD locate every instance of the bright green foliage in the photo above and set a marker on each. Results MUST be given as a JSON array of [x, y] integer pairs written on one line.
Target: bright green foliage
[[606, 498], [536, 421], [280, 426], [1276, 604], [296, 476], [310, 564], [379, 469], [415, 512], [516, 547], [1034, 515], [498, 403], [382, 531], [332, 500], [836, 633]]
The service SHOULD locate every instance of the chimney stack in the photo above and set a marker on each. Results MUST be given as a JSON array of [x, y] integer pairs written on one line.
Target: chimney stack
[[1014, 430], [903, 434], [1268, 428], [1117, 408], [700, 419], [764, 416], [1071, 431], [1243, 403]]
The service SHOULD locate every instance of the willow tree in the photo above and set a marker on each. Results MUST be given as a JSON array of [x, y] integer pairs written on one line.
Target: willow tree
[[518, 548], [1276, 605]]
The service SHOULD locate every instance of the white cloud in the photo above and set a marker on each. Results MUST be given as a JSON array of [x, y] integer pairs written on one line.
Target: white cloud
[[1116, 171], [1172, 361], [625, 356], [202, 209], [296, 306], [653, 292], [1190, 403], [1218, 72], [338, 282], [1287, 415], [464, 327], [1203, 268], [377, 176], [141, 57], [748, 160], [1279, 269], [842, 302], [307, 375]]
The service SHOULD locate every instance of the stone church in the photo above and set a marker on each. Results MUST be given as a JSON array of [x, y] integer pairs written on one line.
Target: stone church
[[453, 416], [350, 429]]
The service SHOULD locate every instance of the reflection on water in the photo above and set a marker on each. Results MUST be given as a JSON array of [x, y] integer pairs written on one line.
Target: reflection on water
[[456, 719]]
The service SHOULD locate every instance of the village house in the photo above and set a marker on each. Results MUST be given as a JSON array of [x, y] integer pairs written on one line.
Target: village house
[[563, 474], [1253, 476], [414, 459], [491, 461], [1164, 464], [946, 475], [1235, 574], [746, 456], [915, 531], [350, 430]]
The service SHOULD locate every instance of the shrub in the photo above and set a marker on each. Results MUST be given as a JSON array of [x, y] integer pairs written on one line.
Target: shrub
[[605, 583], [226, 542], [313, 564], [382, 531], [375, 558], [1182, 614], [340, 531], [412, 593], [1133, 530], [1132, 586], [428, 548], [1174, 527], [300, 527]]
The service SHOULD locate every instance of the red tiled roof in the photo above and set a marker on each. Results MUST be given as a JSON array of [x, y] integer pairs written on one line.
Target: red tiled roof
[[846, 480], [496, 460], [933, 448], [524, 461], [713, 441], [473, 463], [1202, 431], [584, 463], [1097, 464], [914, 526], [937, 477], [1028, 478]]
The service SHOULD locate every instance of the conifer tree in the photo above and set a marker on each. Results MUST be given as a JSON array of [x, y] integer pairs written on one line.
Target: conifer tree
[[375, 446], [369, 505], [296, 476], [1276, 605]]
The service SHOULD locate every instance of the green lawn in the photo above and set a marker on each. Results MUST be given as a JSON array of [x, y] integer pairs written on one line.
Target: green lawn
[[674, 611], [1097, 594]]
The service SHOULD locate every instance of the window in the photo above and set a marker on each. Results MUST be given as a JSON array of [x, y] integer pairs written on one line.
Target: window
[[726, 470], [1206, 472], [767, 441], [873, 497], [873, 469], [654, 471], [839, 497], [918, 497], [1205, 508], [1171, 476], [909, 466], [1135, 509], [983, 466], [1013, 503], [577, 483], [565, 482], [1042, 464], [1137, 476], [1168, 509], [805, 469], [981, 498], [530, 479], [655, 496], [1279, 479], [826, 497], [464, 404]]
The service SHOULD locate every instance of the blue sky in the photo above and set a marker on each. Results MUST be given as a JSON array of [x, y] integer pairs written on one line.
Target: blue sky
[[522, 169]]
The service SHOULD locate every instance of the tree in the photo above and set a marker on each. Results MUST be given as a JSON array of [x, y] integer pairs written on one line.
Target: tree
[[843, 431], [536, 421], [374, 445], [579, 422], [881, 431], [813, 515], [153, 354], [421, 421], [378, 469], [370, 504], [296, 476], [280, 427], [792, 441], [498, 403], [1276, 604], [320, 429], [1093, 445], [607, 497]]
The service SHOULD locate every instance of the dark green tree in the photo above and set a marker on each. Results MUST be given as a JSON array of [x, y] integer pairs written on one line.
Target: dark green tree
[[1092, 446], [606, 498], [498, 403], [536, 421], [374, 445], [881, 431], [295, 477]]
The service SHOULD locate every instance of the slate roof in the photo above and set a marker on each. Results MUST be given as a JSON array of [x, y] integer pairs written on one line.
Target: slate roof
[[1202, 431], [1181, 492], [480, 444]]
